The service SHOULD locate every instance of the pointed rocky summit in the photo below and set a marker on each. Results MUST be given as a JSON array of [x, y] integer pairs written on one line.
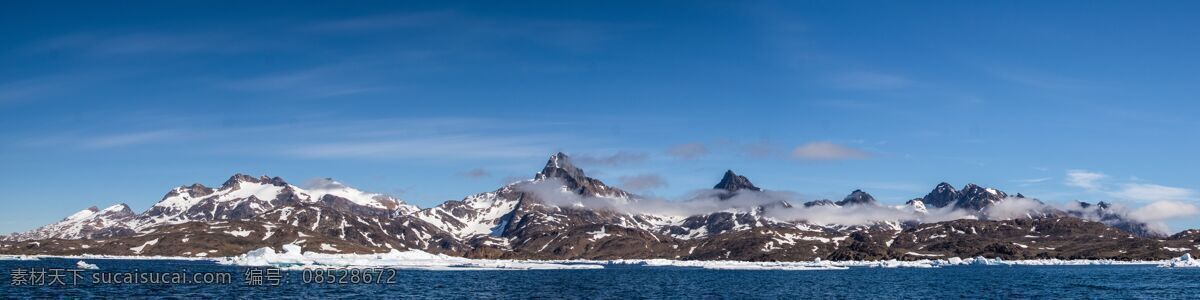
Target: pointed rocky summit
[[559, 167], [941, 196], [733, 182], [858, 197]]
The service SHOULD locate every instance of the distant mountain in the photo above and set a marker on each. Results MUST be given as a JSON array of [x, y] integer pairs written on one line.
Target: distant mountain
[[942, 195], [822, 202], [561, 213], [972, 197], [976, 198], [85, 224], [858, 197], [241, 197]]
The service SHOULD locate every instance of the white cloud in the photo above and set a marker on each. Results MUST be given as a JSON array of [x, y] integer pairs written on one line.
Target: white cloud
[[707, 201], [1084, 179], [1164, 210], [1136, 191], [1152, 192], [827, 151], [1014, 208]]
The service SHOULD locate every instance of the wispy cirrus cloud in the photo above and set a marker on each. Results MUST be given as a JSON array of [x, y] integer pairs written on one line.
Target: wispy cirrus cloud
[[53, 87], [1152, 192], [1036, 79], [456, 146], [127, 139], [1033, 180], [642, 182], [25, 90], [150, 42], [1084, 179], [827, 151], [423, 138], [618, 158], [317, 82], [407, 138], [465, 27], [869, 80], [476, 173], [106, 140], [688, 151], [387, 21], [1135, 191], [760, 149]]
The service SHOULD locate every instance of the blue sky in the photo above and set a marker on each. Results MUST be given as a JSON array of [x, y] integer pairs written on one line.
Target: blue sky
[[1088, 100]]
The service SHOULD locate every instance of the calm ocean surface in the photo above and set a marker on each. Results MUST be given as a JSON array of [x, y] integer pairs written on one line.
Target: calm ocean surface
[[1000, 282]]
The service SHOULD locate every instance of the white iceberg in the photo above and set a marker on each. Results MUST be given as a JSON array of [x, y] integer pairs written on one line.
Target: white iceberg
[[982, 261], [1185, 261], [924, 264], [86, 266], [730, 265]]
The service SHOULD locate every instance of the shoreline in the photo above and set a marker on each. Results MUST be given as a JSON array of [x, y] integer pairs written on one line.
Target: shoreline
[[292, 259]]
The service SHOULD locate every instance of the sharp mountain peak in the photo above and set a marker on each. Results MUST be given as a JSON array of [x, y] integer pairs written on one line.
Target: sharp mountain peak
[[733, 182], [559, 166]]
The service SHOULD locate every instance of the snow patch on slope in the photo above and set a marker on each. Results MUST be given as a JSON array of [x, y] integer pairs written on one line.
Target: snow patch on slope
[[138, 249], [317, 189]]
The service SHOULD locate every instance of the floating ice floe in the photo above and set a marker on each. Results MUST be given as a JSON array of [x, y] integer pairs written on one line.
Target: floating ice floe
[[86, 266], [121, 257], [905, 264], [1185, 261], [837, 265], [17, 257], [293, 258], [1077, 262], [729, 265]]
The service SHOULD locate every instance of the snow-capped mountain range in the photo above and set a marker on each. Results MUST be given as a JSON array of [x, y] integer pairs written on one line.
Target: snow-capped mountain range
[[560, 213], [240, 197]]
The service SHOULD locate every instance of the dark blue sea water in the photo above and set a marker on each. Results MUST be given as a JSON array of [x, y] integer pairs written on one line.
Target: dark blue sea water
[[998, 282]]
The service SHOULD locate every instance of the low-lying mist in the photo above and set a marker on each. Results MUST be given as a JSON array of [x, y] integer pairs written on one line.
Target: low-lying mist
[[771, 204]]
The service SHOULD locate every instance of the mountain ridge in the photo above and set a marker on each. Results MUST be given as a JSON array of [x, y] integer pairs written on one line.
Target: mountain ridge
[[549, 217]]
